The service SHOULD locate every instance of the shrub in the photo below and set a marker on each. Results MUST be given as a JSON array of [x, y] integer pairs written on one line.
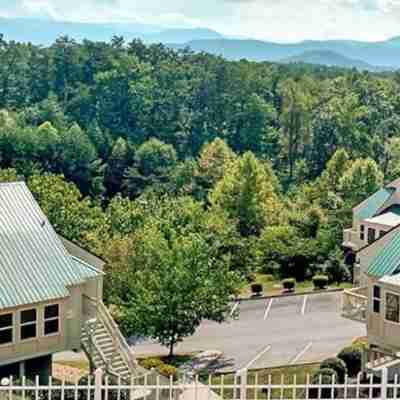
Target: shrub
[[289, 283], [325, 376], [150, 363], [320, 281], [251, 278], [352, 357], [257, 289], [168, 370], [337, 365]]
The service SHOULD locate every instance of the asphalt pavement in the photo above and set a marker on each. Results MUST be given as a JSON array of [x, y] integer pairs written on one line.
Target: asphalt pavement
[[272, 332]]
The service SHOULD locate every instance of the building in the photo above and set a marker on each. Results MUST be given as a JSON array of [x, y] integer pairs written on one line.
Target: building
[[375, 301], [51, 296]]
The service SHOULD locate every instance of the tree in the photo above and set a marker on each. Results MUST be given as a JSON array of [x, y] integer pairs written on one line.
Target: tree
[[172, 283], [215, 158], [295, 121], [247, 193], [360, 180], [335, 170], [154, 160]]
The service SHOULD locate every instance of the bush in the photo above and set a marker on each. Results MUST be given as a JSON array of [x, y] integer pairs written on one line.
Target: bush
[[352, 357], [251, 278], [325, 376], [337, 365], [257, 289], [320, 281], [168, 371], [150, 363], [289, 283]]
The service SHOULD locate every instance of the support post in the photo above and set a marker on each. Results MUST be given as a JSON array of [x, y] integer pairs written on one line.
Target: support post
[[384, 384], [243, 383], [98, 383]]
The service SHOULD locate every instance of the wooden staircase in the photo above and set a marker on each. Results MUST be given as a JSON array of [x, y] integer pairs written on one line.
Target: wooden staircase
[[106, 347]]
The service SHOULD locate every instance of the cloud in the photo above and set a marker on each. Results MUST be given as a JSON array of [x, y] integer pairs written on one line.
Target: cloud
[[278, 20]]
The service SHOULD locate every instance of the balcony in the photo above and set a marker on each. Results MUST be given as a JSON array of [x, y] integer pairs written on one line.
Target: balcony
[[355, 304], [349, 239]]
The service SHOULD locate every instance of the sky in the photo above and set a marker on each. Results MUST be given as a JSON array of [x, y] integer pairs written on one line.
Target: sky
[[275, 20]]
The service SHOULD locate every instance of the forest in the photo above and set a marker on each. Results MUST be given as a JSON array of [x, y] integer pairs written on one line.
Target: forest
[[188, 173]]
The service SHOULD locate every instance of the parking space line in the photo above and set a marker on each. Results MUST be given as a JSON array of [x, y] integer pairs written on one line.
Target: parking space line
[[303, 309], [260, 354], [301, 354], [235, 306], [267, 310]]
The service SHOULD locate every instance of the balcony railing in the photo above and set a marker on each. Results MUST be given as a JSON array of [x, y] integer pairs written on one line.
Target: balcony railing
[[348, 238], [355, 304]]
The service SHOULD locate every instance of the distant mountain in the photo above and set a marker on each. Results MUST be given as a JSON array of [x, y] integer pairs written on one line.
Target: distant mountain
[[329, 58], [45, 31], [378, 54], [180, 36]]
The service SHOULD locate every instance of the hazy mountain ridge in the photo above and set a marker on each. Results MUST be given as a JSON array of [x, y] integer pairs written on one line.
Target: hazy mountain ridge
[[330, 58], [349, 53]]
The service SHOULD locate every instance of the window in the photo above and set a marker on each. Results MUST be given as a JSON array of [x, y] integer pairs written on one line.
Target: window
[[362, 232], [392, 307], [51, 320], [371, 235], [28, 324], [377, 299], [381, 233], [6, 328]]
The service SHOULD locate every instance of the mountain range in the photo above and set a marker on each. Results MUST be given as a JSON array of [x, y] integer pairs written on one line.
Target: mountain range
[[374, 56]]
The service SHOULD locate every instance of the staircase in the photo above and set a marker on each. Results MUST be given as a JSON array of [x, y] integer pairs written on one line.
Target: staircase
[[106, 347]]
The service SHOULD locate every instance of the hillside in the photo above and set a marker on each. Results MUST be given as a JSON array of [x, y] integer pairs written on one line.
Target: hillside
[[329, 58]]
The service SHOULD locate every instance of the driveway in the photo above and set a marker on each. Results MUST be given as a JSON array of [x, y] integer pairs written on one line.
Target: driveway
[[271, 333]]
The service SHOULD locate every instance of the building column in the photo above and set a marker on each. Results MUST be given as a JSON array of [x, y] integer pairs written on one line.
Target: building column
[[22, 369]]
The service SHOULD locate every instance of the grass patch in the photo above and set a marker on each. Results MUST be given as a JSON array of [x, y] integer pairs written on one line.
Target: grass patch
[[274, 287], [286, 375]]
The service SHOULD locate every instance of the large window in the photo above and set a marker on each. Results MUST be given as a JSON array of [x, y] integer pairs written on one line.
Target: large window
[[377, 299], [6, 328], [371, 235], [28, 324], [51, 319], [392, 307]]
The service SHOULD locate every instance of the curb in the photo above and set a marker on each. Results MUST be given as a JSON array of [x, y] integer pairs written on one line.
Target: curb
[[311, 292]]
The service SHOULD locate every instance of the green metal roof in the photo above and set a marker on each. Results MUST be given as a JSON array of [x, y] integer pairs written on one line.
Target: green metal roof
[[34, 264], [371, 206], [387, 261]]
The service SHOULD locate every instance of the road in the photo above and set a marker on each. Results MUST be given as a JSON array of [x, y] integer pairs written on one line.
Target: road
[[274, 332]]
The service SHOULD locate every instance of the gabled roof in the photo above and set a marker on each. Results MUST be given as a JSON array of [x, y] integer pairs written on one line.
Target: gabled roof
[[369, 207], [389, 217], [387, 261], [34, 264]]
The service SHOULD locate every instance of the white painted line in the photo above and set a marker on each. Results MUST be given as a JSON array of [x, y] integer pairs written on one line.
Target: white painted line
[[303, 309], [301, 354], [235, 306], [267, 310], [260, 354]]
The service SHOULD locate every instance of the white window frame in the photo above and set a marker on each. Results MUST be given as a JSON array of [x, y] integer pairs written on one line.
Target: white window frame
[[384, 316], [58, 318], [21, 325], [8, 328]]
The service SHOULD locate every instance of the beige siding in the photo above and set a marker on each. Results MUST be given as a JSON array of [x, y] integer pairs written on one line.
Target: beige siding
[[71, 319], [385, 334]]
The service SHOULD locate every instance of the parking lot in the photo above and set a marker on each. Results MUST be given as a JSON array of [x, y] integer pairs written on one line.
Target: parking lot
[[273, 332]]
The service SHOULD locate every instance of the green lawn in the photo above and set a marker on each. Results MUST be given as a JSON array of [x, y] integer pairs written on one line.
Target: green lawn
[[274, 287]]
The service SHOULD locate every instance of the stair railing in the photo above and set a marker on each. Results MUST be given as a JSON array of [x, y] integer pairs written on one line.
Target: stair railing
[[121, 344]]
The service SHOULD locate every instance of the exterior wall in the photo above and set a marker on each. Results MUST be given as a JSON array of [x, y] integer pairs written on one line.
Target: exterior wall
[[382, 333], [72, 317]]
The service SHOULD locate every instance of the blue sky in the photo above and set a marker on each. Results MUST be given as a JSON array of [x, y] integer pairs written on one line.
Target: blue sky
[[278, 20]]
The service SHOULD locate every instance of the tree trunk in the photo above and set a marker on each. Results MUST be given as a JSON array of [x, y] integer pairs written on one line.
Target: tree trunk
[[171, 349]]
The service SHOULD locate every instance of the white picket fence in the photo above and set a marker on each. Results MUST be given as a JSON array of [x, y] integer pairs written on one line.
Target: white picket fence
[[241, 387]]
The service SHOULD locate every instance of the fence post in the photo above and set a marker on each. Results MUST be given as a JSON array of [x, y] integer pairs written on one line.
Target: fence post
[[385, 378], [98, 383], [243, 383]]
